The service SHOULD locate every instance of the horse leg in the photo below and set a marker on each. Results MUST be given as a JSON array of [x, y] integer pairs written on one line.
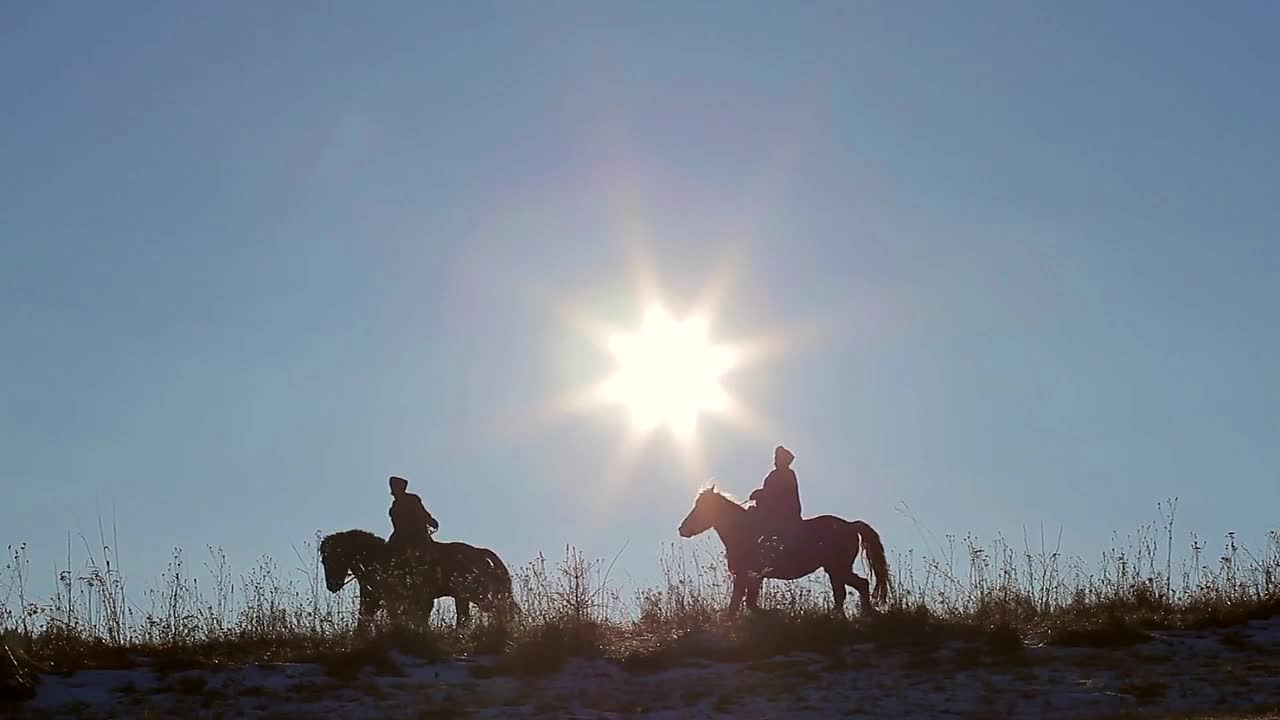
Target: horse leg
[[838, 593], [859, 583], [369, 606], [428, 607], [739, 590], [753, 593], [364, 622]]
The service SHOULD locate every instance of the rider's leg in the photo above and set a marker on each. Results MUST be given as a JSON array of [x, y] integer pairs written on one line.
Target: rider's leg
[[769, 552]]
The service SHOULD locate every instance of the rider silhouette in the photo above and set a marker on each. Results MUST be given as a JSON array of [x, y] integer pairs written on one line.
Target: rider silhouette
[[779, 499], [410, 521], [777, 509]]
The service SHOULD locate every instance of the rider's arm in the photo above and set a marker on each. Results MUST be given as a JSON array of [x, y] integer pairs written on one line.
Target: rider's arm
[[425, 515]]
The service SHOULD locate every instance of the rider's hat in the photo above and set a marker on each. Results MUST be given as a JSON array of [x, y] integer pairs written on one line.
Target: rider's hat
[[397, 480], [783, 455]]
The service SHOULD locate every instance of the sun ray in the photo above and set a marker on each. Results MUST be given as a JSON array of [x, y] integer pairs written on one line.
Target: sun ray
[[591, 327], [633, 442], [689, 452], [643, 270], [747, 420], [712, 298]]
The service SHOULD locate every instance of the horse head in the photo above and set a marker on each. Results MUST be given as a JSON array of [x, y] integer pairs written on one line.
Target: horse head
[[704, 513], [344, 554]]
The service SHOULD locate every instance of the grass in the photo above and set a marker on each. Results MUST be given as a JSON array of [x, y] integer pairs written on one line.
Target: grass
[[990, 598]]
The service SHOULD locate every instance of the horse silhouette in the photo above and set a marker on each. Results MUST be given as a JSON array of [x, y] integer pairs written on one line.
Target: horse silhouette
[[826, 542], [408, 583]]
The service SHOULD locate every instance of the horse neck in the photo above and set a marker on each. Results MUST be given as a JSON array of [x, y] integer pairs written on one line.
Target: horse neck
[[367, 568], [366, 555], [729, 519]]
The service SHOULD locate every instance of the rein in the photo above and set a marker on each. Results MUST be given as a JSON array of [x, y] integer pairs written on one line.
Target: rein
[[351, 574]]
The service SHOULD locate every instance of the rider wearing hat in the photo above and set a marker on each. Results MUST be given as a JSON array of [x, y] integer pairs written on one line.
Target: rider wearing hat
[[410, 520], [777, 510], [779, 499]]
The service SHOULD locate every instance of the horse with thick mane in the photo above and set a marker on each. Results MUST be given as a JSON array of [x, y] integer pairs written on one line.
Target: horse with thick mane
[[826, 542], [409, 584]]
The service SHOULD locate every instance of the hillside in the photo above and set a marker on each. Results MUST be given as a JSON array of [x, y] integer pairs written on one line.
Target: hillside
[[1160, 675]]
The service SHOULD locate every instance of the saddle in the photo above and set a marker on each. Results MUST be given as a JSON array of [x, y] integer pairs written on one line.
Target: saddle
[[774, 538]]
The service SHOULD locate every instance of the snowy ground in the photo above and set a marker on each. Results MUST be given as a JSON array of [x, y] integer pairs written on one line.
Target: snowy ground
[[1172, 673]]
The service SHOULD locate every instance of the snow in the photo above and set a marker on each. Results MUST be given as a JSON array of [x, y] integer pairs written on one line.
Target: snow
[[1177, 672]]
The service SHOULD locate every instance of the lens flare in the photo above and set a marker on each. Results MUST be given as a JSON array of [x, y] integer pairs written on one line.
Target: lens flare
[[668, 372]]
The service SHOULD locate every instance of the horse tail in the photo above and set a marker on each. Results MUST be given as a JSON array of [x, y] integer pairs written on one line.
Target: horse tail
[[874, 549], [501, 576], [500, 581]]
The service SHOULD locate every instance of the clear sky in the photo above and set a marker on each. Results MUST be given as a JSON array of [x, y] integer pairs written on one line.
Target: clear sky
[[256, 257]]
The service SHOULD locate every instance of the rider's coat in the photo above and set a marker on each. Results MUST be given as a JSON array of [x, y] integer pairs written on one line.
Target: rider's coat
[[410, 519], [779, 499]]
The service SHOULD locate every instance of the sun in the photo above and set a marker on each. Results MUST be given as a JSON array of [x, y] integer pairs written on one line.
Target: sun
[[668, 372]]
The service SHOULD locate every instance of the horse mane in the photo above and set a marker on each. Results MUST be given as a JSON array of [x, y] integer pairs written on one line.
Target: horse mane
[[711, 488], [355, 535]]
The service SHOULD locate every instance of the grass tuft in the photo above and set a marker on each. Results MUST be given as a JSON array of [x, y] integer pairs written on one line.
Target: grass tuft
[[546, 648]]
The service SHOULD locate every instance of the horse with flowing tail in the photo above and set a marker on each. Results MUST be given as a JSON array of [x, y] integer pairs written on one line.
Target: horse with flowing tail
[[407, 584], [826, 542]]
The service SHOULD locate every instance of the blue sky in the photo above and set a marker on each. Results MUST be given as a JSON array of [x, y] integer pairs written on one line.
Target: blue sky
[[258, 257]]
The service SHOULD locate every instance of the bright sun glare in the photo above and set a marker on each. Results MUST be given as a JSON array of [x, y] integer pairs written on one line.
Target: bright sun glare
[[668, 372]]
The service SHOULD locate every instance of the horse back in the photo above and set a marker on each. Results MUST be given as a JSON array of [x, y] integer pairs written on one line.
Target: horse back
[[825, 521], [471, 555]]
